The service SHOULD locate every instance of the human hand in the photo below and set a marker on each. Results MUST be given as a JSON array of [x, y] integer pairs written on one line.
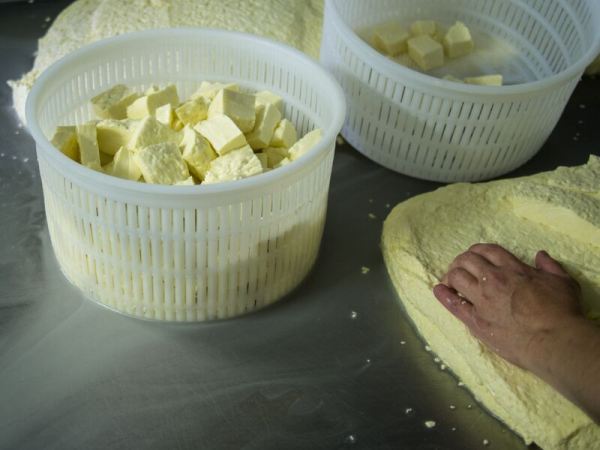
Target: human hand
[[508, 305]]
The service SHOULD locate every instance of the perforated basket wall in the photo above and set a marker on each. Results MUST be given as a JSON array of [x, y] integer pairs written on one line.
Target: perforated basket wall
[[438, 130], [186, 253]]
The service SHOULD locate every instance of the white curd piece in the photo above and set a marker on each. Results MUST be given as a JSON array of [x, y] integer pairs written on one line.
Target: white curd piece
[[305, 144], [238, 106], [222, 133], [88, 145], [391, 38], [267, 118], [236, 165], [162, 163], [65, 139], [458, 41], [146, 106], [113, 103], [285, 134], [197, 152], [426, 52], [113, 134]]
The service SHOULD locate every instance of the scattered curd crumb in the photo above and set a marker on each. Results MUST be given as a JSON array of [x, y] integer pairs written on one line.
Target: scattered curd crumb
[[460, 383], [427, 348], [368, 361], [364, 270], [430, 423], [408, 410], [387, 205], [402, 342], [351, 439], [469, 406], [452, 407], [372, 216], [453, 429], [353, 315], [48, 19], [443, 366], [582, 106], [486, 442], [436, 359]]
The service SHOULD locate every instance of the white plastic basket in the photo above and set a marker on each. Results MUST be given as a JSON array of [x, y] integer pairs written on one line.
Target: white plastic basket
[[435, 129], [186, 253]]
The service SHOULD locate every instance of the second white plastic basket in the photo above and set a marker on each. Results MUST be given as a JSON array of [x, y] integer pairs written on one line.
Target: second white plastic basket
[[186, 253], [435, 129]]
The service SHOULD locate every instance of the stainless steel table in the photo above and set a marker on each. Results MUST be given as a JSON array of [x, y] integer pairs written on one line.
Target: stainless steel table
[[335, 365]]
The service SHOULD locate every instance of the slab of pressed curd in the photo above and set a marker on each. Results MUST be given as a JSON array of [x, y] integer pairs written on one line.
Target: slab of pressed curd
[[558, 211]]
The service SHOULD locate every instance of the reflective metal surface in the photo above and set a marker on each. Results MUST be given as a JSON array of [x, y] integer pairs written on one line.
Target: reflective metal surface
[[335, 365]]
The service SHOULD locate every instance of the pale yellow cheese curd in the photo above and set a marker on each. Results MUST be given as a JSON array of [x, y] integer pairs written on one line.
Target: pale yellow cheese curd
[[297, 23], [558, 211]]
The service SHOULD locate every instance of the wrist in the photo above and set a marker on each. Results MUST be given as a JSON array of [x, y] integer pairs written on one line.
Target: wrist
[[547, 348]]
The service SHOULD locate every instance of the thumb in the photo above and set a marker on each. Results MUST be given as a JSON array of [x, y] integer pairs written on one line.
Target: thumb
[[545, 262]]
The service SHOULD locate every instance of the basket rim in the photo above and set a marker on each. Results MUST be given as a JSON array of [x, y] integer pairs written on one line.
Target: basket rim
[[393, 69], [99, 179]]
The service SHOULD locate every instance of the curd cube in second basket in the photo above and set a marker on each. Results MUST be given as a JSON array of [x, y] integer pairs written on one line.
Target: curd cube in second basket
[[458, 41], [449, 77], [485, 80], [391, 38], [426, 52], [420, 27]]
